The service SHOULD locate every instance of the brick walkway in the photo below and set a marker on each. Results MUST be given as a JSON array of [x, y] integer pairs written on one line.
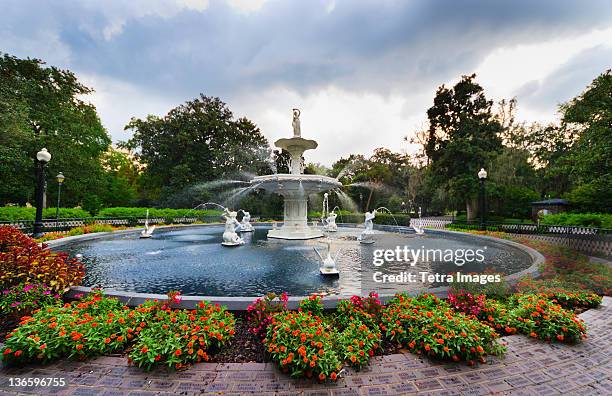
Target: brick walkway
[[529, 368]]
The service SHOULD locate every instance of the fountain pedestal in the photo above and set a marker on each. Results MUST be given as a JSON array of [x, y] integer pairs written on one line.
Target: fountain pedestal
[[295, 187]]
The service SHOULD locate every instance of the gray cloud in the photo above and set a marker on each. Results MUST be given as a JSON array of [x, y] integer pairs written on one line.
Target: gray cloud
[[381, 47]]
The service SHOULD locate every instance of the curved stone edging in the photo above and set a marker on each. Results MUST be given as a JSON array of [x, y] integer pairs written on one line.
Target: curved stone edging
[[241, 303]]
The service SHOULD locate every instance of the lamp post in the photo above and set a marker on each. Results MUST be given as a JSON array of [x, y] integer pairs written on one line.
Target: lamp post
[[60, 180], [482, 176], [42, 158]]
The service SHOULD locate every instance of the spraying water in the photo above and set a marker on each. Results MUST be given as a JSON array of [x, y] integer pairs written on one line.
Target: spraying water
[[388, 211]]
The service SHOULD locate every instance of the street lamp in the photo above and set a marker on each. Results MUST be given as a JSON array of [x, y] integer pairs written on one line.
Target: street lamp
[[482, 176], [42, 158], [60, 180]]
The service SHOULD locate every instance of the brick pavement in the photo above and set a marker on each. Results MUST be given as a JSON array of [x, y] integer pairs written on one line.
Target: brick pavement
[[530, 367]]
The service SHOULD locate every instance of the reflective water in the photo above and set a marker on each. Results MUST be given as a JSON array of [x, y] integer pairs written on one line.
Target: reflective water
[[193, 261]]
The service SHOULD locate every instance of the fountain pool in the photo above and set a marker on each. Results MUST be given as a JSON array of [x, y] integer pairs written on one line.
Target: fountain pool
[[192, 260]]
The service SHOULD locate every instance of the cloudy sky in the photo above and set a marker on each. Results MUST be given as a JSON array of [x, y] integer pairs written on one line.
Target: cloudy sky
[[363, 72]]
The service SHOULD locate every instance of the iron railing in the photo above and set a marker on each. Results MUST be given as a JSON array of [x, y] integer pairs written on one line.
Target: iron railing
[[540, 229]]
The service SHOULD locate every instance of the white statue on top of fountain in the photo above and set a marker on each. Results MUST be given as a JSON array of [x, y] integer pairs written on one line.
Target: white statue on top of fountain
[[297, 129], [230, 237], [330, 222], [245, 224], [369, 227]]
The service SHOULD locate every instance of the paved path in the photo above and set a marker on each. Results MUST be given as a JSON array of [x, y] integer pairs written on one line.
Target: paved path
[[529, 368]]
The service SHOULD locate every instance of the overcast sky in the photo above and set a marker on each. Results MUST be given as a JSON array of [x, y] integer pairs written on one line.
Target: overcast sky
[[363, 72]]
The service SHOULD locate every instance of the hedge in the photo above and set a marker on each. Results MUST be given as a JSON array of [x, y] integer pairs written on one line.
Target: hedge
[[599, 220], [12, 213], [155, 212]]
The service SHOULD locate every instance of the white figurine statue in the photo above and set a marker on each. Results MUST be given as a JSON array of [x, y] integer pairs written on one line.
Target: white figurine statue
[[297, 131], [329, 263], [330, 222], [369, 227], [245, 224], [230, 238]]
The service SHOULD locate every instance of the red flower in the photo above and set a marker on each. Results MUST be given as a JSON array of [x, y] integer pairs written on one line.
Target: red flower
[[178, 352], [144, 349]]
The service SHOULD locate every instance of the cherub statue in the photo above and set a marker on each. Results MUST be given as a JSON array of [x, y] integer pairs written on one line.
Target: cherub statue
[[297, 131]]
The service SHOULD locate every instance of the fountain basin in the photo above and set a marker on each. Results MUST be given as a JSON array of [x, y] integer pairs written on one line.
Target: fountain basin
[[295, 188]]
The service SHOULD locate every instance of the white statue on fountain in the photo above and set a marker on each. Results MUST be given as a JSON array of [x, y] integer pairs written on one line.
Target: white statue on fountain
[[330, 222], [369, 227], [245, 224], [230, 238], [329, 262], [297, 129]]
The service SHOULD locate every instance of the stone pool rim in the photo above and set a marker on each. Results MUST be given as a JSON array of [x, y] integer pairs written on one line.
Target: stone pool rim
[[241, 303]]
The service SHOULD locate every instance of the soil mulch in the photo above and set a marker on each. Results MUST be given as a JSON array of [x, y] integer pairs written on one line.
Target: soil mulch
[[245, 347]]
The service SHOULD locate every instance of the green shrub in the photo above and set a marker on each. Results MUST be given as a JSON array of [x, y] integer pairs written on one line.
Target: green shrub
[[357, 343], [312, 304], [427, 325], [156, 212], [598, 220], [13, 213], [22, 299]]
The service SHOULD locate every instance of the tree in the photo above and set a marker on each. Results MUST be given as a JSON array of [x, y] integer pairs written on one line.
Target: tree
[[463, 137], [43, 107], [122, 177], [589, 116], [195, 142]]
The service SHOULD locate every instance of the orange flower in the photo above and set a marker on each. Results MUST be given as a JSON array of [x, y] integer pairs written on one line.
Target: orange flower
[[560, 337], [17, 353], [427, 347], [79, 347], [333, 376], [479, 349], [178, 352], [321, 377], [107, 340], [353, 358], [312, 363], [43, 346]]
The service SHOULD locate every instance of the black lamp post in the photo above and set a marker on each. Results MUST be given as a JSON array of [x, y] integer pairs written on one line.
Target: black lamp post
[[60, 180], [42, 158], [482, 176]]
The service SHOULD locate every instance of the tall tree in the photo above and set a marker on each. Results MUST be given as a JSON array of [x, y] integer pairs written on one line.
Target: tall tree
[[589, 116], [195, 142], [463, 137], [43, 107]]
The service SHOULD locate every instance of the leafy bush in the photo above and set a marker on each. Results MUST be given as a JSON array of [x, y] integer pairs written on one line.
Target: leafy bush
[[22, 260], [303, 345], [568, 296], [466, 302], [22, 299], [357, 343], [259, 314], [156, 212], [428, 326], [89, 229], [366, 310], [176, 337], [13, 213], [312, 304], [93, 326], [598, 220], [539, 317], [498, 290]]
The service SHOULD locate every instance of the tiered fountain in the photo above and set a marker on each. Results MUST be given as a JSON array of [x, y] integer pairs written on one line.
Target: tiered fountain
[[295, 186]]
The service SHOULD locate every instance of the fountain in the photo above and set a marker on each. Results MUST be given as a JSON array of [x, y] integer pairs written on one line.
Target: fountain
[[148, 231], [419, 229], [295, 186], [329, 264], [328, 218], [365, 236], [230, 237], [245, 223]]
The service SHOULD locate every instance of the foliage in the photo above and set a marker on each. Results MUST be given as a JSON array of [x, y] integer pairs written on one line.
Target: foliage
[[46, 107], [176, 337], [599, 220], [12, 213], [24, 298], [428, 326], [212, 145], [463, 137], [466, 302], [498, 290], [539, 317], [303, 345], [155, 212], [312, 304], [590, 160], [261, 312], [90, 327], [558, 293], [366, 310], [357, 343], [22, 260], [89, 229]]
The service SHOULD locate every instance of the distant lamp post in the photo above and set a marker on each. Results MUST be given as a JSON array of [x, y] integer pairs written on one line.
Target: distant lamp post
[[42, 158], [60, 180], [482, 176]]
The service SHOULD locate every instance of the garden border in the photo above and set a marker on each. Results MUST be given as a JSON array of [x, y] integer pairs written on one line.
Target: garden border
[[241, 303]]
